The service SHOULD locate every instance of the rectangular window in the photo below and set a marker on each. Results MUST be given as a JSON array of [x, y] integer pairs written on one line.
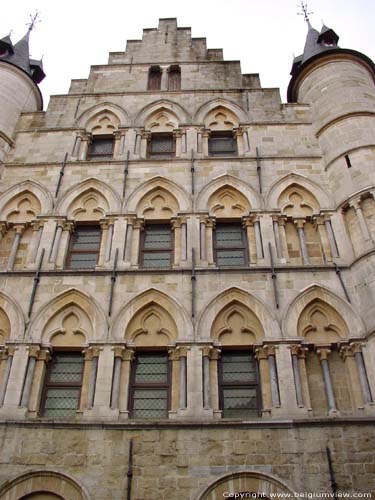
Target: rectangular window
[[62, 389], [157, 246], [238, 385], [84, 248], [101, 148], [161, 146], [222, 144], [149, 394], [230, 245]]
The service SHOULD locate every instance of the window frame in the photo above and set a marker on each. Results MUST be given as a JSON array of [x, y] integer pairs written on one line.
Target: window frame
[[257, 384], [143, 250], [47, 384], [165, 154], [98, 157], [154, 70], [133, 385], [71, 251], [244, 247], [174, 69], [216, 134]]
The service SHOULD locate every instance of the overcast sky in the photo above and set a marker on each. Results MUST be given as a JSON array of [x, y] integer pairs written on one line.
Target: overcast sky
[[262, 34]]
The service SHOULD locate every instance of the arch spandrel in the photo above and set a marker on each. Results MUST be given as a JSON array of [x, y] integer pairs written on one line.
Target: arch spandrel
[[320, 323], [221, 118], [12, 320], [158, 204], [24, 207], [227, 105], [90, 117], [90, 205], [67, 318], [166, 105], [236, 325], [151, 300], [228, 202], [351, 322], [39, 197], [297, 201], [161, 120], [261, 319], [151, 326]]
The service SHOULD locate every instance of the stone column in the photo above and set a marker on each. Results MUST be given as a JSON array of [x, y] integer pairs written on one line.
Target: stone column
[[356, 204], [245, 139], [164, 79], [177, 138], [331, 237], [276, 232], [129, 238], [6, 360], [275, 393], [104, 226], [3, 229], [238, 134], [182, 352], [119, 145], [323, 236], [118, 352], [210, 224], [90, 368], [145, 138], [184, 239], [56, 241], [199, 141], [206, 377], [29, 376], [362, 379], [202, 237], [137, 143], [283, 240], [176, 226], [295, 351], [323, 353], [261, 354], [19, 228], [77, 146], [44, 356], [108, 246], [258, 238], [127, 359], [214, 381], [137, 228], [84, 146], [302, 240], [248, 224], [347, 352], [174, 358], [205, 136], [37, 228]]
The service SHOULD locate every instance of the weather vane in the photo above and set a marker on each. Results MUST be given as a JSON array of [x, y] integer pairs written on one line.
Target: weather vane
[[304, 12], [33, 20]]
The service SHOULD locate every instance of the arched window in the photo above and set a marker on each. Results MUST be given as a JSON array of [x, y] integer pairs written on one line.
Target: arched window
[[221, 141], [154, 78], [174, 78]]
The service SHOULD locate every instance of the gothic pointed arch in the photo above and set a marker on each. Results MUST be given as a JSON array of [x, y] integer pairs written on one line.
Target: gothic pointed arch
[[231, 184], [246, 314], [247, 481], [320, 323], [165, 105], [228, 202], [152, 185], [91, 195], [161, 120], [319, 194], [220, 104], [330, 304], [117, 116], [72, 318], [296, 201], [138, 317], [40, 200], [59, 485], [12, 320]]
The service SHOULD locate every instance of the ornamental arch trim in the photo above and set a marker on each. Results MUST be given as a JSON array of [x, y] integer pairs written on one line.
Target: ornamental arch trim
[[94, 185], [282, 184], [141, 191], [15, 316], [210, 312], [347, 312], [50, 481], [105, 107], [209, 106], [229, 181], [40, 192], [163, 105], [71, 301], [149, 298], [247, 481]]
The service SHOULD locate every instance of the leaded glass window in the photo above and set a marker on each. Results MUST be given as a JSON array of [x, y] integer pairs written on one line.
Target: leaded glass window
[[239, 388], [62, 389], [230, 245], [157, 246], [84, 247], [101, 148], [222, 144], [149, 395], [161, 146]]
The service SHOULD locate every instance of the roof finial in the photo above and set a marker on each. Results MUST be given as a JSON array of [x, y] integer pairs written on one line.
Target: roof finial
[[304, 12], [33, 20]]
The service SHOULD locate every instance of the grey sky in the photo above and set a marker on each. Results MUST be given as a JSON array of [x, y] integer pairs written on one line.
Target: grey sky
[[263, 34]]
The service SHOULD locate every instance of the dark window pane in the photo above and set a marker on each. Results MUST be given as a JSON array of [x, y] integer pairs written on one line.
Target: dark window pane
[[156, 260], [230, 258], [238, 367], [67, 368], [230, 246], [157, 246], [174, 79], [222, 145], [239, 402], [161, 145], [101, 148], [228, 235], [152, 368], [84, 247], [157, 237], [154, 79], [61, 402]]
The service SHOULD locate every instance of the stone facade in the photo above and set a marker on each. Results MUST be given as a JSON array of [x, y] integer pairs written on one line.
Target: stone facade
[[294, 289]]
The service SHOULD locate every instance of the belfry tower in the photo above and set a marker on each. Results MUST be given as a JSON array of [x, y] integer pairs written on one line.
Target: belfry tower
[[19, 92]]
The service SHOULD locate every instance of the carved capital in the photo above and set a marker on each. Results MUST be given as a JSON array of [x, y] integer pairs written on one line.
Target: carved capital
[[44, 355], [299, 223], [118, 351], [298, 350], [128, 355], [33, 351], [323, 353]]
